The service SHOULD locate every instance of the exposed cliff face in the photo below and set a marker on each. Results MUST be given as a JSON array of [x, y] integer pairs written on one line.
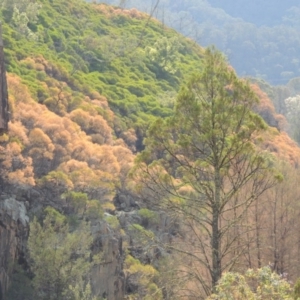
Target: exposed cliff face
[[107, 278], [13, 233]]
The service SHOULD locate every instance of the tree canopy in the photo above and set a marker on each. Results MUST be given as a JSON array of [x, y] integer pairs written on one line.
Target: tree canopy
[[203, 164]]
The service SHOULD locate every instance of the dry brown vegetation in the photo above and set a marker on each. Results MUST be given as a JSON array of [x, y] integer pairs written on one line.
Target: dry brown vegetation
[[258, 224], [111, 11], [74, 151], [267, 110], [275, 139], [65, 145]]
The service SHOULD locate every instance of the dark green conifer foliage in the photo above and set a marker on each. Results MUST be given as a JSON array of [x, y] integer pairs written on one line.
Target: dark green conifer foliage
[[297, 289]]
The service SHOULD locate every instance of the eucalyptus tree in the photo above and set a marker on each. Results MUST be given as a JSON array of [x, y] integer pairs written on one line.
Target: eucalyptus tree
[[203, 165]]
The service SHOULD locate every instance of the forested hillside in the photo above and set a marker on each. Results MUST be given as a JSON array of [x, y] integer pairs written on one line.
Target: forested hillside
[[264, 32], [90, 53], [286, 102], [137, 164]]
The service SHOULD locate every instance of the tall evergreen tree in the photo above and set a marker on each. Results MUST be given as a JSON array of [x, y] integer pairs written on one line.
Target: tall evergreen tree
[[203, 165]]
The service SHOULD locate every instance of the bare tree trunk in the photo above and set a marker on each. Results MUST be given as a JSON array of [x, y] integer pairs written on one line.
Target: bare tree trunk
[[257, 231], [249, 247], [216, 257], [274, 236]]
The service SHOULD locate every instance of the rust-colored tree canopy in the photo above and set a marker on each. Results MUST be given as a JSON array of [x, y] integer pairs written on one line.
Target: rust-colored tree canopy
[[4, 117]]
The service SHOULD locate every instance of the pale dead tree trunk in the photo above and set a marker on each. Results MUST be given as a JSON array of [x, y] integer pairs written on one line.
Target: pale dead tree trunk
[[282, 208], [280, 230], [257, 237], [274, 236], [274, 220], [215, 238], [248, 242], [241, 237]]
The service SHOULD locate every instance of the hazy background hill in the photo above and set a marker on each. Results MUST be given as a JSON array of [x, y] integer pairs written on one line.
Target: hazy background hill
[[261, 39], [268, 13]]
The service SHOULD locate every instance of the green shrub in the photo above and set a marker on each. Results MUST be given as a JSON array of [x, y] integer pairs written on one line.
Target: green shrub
[[149, 217], [253, 285], [112, 221], [296, 293]]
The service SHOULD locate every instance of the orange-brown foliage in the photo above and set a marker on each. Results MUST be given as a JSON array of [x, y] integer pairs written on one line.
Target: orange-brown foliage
[[97, 184], [124, 157], [267, 110], [80, 117], [77, 148], [33, 63], [95, 126], [17, 91], [282, 146], [111, 11], [19, 132], [39, 139], [130, 138], [14, 166]]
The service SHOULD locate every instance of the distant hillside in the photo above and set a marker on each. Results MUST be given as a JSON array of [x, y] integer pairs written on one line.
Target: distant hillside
[[261, 38], [99, 48], [268, 13]]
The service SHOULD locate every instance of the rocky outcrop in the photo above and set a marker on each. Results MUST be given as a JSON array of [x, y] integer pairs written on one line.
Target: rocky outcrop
[[126, 202], [107, 278], [13, 234], [4, 114]]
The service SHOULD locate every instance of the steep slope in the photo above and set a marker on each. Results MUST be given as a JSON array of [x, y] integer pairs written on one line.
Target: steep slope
[[261, 39], [85, 81], [98, 48]]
